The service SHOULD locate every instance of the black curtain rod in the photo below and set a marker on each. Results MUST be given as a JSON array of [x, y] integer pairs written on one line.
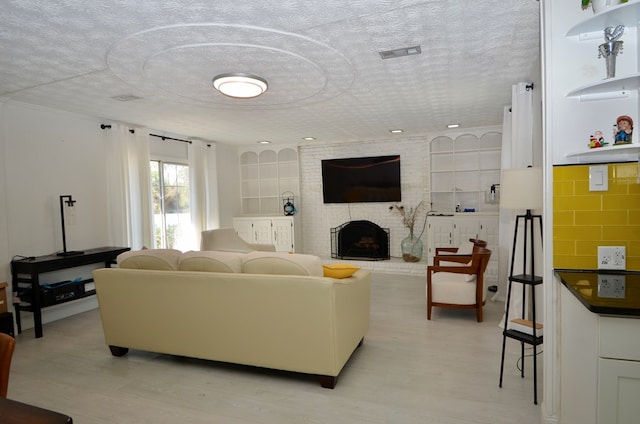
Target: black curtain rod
[[108, 127], [164, 137]]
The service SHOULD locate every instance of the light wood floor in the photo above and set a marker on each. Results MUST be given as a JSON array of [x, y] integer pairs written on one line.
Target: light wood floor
[[409, 370]]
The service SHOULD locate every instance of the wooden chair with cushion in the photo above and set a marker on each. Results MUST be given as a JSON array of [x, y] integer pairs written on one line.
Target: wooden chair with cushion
[[460, 254], [7, 345], [457, 281]]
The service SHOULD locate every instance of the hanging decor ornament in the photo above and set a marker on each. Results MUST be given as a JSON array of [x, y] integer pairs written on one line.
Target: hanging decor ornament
[[287, 203]]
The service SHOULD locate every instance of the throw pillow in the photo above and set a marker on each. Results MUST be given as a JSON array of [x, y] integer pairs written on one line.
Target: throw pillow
[[211, 261], [281, 263], [159, 259], [339, 270]]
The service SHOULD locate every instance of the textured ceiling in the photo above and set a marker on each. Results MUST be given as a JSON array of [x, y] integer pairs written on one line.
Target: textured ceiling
[[321, 59]]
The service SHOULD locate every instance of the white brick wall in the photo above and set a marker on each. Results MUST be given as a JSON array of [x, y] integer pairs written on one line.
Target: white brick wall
[[318, 218]]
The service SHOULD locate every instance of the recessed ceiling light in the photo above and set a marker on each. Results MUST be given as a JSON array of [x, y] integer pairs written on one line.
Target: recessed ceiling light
[[308, 138], [263, 142], [396, 131], [453, 125], [238, 85]]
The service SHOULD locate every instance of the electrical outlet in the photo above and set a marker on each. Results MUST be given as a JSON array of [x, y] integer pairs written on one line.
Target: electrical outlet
[[612, 257], [611, 286]]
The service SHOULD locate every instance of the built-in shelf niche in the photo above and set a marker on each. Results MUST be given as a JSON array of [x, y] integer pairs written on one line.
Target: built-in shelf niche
[[265, 175], [463, 169]]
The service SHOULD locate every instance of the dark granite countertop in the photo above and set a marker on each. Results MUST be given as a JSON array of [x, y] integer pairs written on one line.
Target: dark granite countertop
[[604, 292]]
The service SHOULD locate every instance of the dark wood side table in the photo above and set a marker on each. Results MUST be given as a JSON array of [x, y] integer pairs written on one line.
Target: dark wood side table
[[14, 412], [26, 281]]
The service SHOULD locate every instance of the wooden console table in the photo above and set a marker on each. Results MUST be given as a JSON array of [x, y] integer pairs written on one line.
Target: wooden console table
[[26, 280], [13, 412]]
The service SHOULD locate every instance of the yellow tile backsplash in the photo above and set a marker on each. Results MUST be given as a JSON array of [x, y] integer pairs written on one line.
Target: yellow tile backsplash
[[584, 220]]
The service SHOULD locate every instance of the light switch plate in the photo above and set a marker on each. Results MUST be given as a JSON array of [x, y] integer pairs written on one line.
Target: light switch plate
[[599, 178], [612, 257]]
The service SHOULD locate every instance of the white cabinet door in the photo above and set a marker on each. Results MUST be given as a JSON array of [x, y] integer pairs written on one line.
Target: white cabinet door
[[618, 391], [262, 231], [439, 234], [465, 228], [488, 231], [279, 231], [244, 228], [282, 234], [453, 231]]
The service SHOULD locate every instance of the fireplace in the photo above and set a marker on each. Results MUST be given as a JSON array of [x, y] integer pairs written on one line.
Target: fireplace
[[360, 240]]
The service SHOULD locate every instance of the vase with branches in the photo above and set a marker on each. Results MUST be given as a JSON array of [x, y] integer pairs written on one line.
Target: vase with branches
[[412, 245]]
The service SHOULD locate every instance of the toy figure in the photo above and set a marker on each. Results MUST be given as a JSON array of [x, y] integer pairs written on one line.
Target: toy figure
[[623, 130], [597, 140]]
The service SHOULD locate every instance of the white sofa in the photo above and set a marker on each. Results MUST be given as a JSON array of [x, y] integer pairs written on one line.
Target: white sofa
[[271, 310]]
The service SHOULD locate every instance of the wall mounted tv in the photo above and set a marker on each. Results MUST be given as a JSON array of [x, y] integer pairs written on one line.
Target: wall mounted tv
[[368, 179]]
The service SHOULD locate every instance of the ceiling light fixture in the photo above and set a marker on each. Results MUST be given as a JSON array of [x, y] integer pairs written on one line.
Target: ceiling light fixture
[[453, 125], [263, 142], [308, 138], [241, 86], [397, 131]]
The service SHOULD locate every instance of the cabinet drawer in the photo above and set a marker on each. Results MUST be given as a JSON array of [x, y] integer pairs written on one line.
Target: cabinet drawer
[[619, 338]]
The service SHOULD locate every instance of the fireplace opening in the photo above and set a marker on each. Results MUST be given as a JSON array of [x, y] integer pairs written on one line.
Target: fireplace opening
[[360, 240]]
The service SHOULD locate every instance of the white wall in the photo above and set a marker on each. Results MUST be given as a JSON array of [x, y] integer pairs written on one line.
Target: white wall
[[48, 154], [228, 164], [318, 218]]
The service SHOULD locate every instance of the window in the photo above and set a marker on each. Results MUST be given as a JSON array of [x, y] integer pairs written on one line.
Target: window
[[171, 208]]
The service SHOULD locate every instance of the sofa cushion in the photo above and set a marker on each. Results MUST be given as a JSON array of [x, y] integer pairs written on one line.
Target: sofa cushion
[[210, 261], [158, 259], [282, 263], [339, 270]]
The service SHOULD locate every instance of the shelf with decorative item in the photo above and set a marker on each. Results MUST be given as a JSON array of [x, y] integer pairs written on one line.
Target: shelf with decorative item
[[608, 150], [627, 14], [617, 87]]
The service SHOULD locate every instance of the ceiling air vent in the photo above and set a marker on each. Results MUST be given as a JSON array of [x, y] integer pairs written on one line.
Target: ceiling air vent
[[126, 97], [405, 51]]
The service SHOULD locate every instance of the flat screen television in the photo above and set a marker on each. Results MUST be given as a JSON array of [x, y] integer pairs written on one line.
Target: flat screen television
[[367, 179]]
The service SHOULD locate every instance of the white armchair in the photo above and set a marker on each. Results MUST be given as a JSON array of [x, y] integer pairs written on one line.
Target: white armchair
[[458, 285], [226, 239]]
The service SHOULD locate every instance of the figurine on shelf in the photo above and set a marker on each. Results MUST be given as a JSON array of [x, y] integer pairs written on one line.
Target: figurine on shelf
[[597, 140], [623, 130]]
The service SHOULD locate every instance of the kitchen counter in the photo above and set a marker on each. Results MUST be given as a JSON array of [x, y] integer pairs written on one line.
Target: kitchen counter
[[614, 293]]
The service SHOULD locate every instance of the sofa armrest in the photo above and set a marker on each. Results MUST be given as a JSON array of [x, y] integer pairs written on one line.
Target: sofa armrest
[[263, 247]]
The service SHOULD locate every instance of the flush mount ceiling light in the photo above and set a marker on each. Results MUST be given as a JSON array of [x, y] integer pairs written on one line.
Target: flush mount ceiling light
[[453, 125], [238, 85], [308, 138], [396, 131], [263, 142]]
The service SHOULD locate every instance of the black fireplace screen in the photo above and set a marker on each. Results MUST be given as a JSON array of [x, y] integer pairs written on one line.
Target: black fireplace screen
[[360, 240]]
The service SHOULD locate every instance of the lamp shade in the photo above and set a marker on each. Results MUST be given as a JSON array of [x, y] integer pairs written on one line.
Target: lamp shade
[[521, 188]]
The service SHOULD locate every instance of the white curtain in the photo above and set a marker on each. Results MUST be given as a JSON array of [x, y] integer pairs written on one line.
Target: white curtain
[[204, 189], [129, 191], [518, 151]]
